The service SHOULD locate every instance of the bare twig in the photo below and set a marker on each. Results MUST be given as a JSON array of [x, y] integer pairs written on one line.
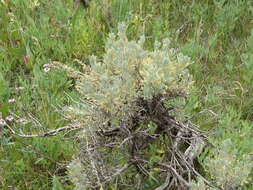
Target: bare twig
[[166, 183], [204, 111], [49, 133], [196, 146], [118, 172], [136, 159]]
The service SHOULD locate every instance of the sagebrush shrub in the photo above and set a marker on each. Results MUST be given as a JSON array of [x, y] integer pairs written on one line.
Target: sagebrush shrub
[[126, 89], [228, 170]]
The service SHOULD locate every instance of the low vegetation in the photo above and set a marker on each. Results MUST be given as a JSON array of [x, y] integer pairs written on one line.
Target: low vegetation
[[109, 106]]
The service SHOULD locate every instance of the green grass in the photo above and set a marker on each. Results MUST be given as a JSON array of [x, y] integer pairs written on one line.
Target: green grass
[[217, 35]]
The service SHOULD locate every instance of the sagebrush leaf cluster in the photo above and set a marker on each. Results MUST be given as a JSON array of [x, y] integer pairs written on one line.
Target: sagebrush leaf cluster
[[128, 71]]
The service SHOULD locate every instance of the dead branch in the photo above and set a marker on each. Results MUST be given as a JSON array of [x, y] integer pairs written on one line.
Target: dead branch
[[166, 183], [46, 134], [182, 143]]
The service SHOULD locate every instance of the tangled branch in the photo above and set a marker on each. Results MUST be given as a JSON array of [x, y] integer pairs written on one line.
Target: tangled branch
[[181, 143]]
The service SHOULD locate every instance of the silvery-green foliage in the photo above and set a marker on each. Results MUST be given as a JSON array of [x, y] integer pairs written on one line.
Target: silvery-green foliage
[[128, 71], [228, 170], [77, 174], [199, 184]]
